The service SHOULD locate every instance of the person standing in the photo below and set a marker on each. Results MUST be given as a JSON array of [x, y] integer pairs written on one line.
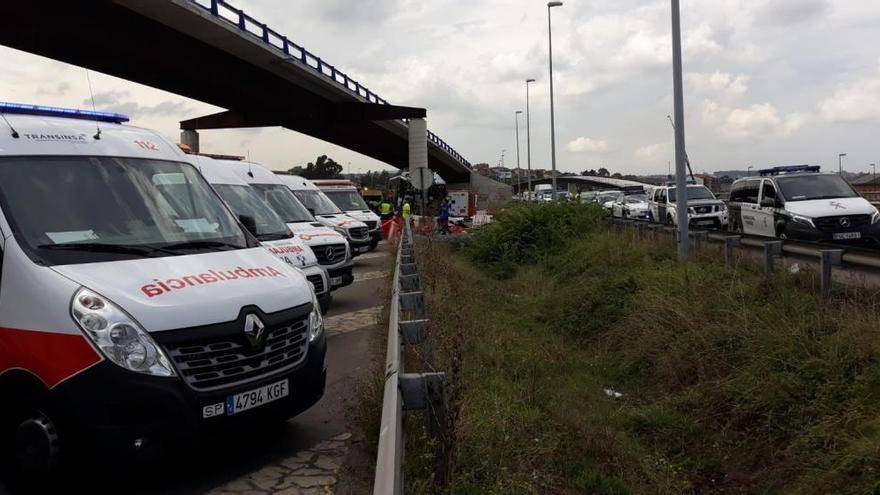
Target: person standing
[[443, 219], [406, 210], [385, 209]]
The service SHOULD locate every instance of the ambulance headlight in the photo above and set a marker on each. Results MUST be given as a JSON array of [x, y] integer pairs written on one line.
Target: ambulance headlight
[[341, 230], [117, 335], [803, 220], [316, 321]]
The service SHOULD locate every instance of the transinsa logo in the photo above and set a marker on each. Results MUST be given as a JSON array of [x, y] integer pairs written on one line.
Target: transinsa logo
[[211, 277], [68, 138]]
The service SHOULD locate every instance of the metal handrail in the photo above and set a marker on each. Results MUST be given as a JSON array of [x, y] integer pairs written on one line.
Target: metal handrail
[[238, 18]]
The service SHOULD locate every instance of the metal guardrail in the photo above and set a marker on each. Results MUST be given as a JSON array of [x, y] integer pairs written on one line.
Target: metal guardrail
[[403, 391], [828, 255], [247, 24]]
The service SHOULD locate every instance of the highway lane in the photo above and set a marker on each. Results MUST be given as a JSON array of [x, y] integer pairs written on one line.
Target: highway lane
[[302, 456]]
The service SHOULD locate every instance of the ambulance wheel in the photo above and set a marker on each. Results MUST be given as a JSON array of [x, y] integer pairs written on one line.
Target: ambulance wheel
[[33, 447]]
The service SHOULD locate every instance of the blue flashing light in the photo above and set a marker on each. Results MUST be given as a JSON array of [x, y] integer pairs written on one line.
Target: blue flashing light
[[70, 113], [789, 169]]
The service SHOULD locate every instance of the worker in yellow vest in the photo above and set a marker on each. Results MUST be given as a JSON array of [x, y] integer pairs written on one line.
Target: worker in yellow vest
[[385, 210], [406, 210]]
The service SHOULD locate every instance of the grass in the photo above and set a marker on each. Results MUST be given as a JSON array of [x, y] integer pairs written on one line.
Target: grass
[[729, 383]]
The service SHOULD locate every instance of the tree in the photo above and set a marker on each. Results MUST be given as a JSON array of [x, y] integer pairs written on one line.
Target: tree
[[589, 173], [322, 168], [617, 175], [603, 172]]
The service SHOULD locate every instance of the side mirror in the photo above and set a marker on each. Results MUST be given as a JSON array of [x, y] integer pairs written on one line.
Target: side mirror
[[249, 223], [768, 202]]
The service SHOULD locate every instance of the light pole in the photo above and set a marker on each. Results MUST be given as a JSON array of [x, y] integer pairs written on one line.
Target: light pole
[[518, 174], [749, 170], [528, 138], [550, 5], [840, 164], [681, 203]]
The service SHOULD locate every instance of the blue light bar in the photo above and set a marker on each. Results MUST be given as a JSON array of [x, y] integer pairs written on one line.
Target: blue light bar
[[70, 113], [789, 169]]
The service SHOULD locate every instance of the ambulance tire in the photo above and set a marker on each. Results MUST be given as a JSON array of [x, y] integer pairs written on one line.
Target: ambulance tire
[[31, 445]]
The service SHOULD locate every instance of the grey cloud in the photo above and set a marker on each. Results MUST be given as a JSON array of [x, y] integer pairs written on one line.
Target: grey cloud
[[119, 101], [60, 90], [106, 98], [360, 12], [790, 12]]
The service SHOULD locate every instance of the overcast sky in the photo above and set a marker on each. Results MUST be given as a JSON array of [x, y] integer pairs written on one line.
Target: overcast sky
[[766, 81]]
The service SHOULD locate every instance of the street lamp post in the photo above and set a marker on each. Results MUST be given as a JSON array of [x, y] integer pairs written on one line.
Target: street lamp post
[[518, 173], [550, 5], [840, 164], [749, 170], [529, 138], [681, 203]]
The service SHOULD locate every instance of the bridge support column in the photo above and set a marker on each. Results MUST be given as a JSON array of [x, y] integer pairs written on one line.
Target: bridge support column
[[418, 153], [191, 139]]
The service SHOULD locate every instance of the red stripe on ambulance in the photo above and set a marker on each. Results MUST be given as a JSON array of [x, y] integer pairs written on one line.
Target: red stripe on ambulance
[[50, 356]]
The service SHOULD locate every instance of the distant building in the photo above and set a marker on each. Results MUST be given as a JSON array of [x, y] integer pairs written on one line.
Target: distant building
[[868, 186]]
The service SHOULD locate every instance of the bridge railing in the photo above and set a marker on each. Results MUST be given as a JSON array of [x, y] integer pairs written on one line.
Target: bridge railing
[[407, 325], [247, 24]]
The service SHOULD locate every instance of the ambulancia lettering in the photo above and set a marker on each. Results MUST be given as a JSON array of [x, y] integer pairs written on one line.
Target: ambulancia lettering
[[285, 249], [160, 287]]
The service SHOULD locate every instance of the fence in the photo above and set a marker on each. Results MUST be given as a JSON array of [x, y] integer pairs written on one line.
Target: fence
[[828, 255], [222, 10], [403, 391]]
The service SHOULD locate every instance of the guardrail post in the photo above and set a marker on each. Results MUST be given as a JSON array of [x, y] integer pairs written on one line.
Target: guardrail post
[[731, 242], [425, 391], [772, 249], [701, 237], [829, 259]]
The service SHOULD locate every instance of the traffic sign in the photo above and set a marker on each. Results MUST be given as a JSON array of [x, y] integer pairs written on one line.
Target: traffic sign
[[421, 178]]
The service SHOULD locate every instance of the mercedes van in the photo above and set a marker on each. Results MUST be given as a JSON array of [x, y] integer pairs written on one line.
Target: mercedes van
[[261, 221], [133, 314], [347, 197], [330, 247], [326, 212]]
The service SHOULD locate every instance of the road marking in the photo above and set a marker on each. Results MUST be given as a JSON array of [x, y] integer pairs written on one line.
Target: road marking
[[354, 320], [373, 255], [360, 277]]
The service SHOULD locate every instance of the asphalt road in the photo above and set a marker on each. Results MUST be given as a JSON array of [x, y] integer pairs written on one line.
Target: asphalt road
[[302, 456]]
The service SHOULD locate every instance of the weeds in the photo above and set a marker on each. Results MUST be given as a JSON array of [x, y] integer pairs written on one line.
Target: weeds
[[730, 383]]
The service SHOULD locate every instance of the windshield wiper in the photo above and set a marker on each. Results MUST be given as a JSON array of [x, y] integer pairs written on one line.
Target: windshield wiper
[[273, 237], [106, 248], [217, 245]]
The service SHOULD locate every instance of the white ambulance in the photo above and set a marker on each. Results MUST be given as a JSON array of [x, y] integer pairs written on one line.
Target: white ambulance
[[134, 314], [326, 212], [330, 247], [262, 221], [347, 197]]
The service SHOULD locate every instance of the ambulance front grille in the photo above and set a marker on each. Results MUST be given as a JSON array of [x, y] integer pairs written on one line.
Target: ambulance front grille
[[317, 282], [232, 360], [359, 233]]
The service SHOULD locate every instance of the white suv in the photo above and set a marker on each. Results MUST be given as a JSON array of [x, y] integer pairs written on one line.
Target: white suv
[[704, 210]]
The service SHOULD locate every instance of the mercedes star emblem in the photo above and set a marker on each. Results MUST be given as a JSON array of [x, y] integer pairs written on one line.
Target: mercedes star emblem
[[844, 222], [329, 254], [254, 329]]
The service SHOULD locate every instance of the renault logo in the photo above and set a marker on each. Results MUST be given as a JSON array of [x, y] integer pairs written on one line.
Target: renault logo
[[844, 222], [254, 329], [329, 254]]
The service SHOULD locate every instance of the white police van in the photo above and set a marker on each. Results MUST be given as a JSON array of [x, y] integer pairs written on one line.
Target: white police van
[[704, 209], [800, 202], [330, 247], [262, 221], [347, 197], [133, 314], [328, 213]]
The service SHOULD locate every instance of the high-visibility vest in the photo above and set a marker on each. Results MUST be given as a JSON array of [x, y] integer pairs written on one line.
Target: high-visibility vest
[[406, 209], [386, 208]]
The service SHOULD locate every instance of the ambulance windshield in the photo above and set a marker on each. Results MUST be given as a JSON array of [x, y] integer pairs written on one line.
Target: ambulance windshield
[[81, 209]]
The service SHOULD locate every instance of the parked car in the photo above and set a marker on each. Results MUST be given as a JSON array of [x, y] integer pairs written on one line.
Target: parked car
[[134, 315], [327, 213], [799, 202], [346, 196], [631, 206], [329, 245], [704, 209], [261, 220]]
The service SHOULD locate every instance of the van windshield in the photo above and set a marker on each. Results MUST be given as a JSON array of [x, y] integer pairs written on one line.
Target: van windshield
[[285, 204], [807, 187], [347, 200], [694, 193], [246, 202], [317, 202], [80, 209]]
